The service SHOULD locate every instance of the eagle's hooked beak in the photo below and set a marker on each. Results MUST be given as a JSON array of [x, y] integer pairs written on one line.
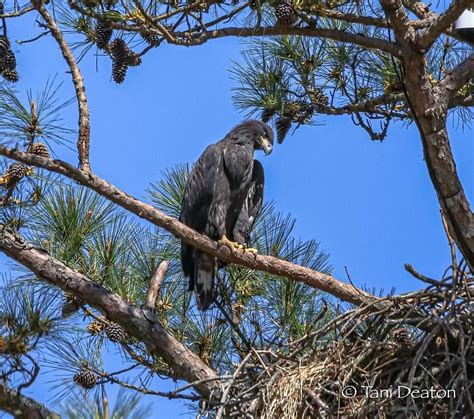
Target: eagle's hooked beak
[[267, 146]]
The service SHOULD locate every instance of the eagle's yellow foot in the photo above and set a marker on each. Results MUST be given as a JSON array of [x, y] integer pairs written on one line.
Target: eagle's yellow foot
[[229, 243], [236, 245]]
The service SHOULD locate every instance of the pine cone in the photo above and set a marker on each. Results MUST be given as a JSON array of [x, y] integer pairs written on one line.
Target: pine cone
[[11, 76], [41, 150], [267, 114], [151, 39], [115, 333], [320, 97], [122, 58], [70, 305], [133, 60], [119, 49], [282, 125], [103, 34], [4, 44], [119, 71], [86, 379], [16, 172], [285, 13], [8, 61]]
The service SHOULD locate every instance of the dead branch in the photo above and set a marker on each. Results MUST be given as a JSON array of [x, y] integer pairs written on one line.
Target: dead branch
[[83, 142], [155, 284]]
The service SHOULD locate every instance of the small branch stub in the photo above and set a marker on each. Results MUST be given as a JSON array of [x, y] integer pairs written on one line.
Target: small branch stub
[[155, 285]]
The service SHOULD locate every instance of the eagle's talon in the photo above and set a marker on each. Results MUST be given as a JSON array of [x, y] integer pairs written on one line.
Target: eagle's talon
[[229, 243], [252, 250]]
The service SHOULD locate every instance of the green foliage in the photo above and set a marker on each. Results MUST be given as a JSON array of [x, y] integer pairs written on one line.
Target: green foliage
[[167, 193], [93, 236], [126, 406], [297, 79], [40, 117], [28, 323]]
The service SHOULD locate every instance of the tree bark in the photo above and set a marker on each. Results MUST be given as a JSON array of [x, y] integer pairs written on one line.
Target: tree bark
[[23, 407], [140, 323], [429, 107]]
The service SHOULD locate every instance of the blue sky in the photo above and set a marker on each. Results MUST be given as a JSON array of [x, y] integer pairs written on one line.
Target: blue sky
[[371, 205]]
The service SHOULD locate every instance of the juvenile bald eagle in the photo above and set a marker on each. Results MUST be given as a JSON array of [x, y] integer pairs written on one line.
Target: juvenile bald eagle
[[222, 197]]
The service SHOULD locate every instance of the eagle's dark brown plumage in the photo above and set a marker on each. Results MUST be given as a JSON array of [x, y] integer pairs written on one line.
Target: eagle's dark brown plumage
[[222, 198]]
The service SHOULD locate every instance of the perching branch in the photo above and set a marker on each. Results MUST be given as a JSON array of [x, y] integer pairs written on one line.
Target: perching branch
[[20, 406], [140, 323], [83, 142], [268, 264]]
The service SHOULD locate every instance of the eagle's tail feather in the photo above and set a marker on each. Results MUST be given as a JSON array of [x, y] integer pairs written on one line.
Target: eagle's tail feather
[[203, 279]]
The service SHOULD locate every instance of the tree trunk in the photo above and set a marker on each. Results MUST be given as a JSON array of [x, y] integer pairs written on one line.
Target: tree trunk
[[429, 108]]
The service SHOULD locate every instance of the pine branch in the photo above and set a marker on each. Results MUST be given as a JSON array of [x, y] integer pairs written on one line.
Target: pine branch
[[199, 37], [11, 401], [183, 38], [83, 142], [18, 13], [457, 78], [139, 323], [268, 264], [443, 22], [155, 285], [397, 15]]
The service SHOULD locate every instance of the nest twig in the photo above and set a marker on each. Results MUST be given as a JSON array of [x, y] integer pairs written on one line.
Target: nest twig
[[373, 364]]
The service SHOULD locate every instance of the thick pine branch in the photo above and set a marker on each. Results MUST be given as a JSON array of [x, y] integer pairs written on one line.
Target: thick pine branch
[[457, 78], [244, 32], [21, 406], [140, 323], [443, 22], [429, 106]]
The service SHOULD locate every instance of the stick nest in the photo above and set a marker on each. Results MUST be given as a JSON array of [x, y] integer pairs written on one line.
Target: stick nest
[[404, 356]]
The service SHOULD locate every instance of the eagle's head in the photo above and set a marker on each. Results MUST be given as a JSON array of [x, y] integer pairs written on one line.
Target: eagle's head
[[257, 132]]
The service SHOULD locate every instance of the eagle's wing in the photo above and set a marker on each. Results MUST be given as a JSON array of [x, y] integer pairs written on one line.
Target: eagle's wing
[[252, 205], [202, 189]]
